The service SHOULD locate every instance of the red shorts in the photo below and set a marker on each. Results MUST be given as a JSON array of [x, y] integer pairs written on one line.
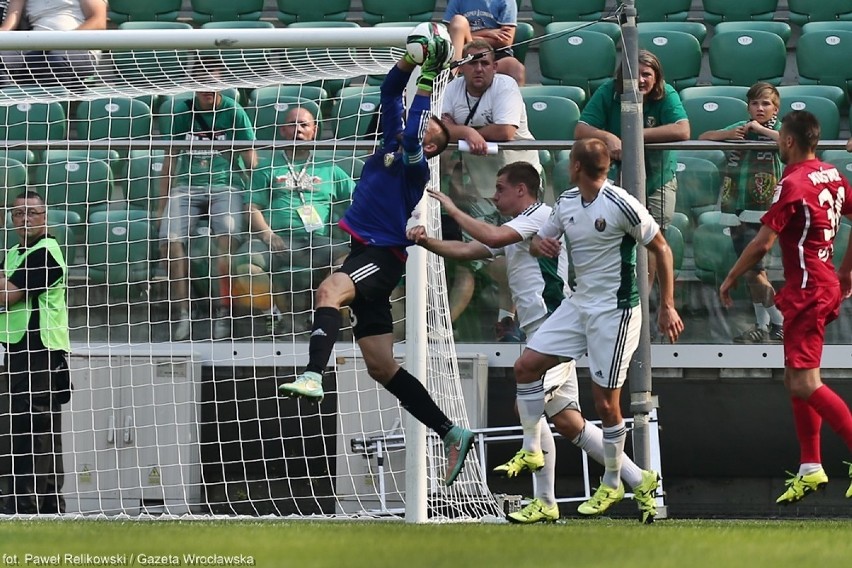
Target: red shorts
[[806, 313]]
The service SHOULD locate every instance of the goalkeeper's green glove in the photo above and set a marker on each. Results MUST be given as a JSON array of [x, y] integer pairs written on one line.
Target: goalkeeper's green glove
[[440, 53]]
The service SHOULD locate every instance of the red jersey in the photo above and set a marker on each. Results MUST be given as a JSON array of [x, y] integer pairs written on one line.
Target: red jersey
[[805, 212]]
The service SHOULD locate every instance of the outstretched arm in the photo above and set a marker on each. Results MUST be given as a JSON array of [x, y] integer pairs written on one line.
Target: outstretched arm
[[486, 233], [457, 250]]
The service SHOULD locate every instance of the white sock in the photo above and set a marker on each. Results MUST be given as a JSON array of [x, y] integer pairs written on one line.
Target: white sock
[[545, 478], [590, 440], [775, 316], [530, 411], [613, 450], [761, 316], [806, 468]]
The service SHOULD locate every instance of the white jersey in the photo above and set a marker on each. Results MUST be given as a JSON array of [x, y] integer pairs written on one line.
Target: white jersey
[[537, 284], [602, 237], [501, 103]]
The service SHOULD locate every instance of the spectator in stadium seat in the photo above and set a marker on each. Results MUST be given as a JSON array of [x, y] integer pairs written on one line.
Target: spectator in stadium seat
[[538, 288], [290, 212], [664, 120], [748, 185], [66, 67], [479, 107], [495, 22], [807, 207], [392, 184], [199, 181], [34, 333]]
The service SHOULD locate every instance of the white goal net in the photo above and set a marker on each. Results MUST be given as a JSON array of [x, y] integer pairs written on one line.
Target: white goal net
[[177, 353]]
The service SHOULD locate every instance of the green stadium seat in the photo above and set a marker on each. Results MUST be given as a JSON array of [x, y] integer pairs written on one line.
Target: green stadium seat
[[806, 11], [841, 159], [695, 29], [237, 24], [118, 252], [584, 59], [226, 10], [832, 26], [112, 118], [823, 58], [679, 54], [830, 92], [551, 118], [107, 155], [75, 185], [841, 243], [576, 94], [781, 29], [677, 245], [549, 11], [268, 111], [142, 187], [562, 175], [733, 91], [121, 11], [292, 11], [610, 29], [682, 222], [26, 157], [356, 115], [744, 58], [713, 253], [698, 185], [523, 33], [716, 11], [662, 10], [331, 86], [311, 92], [824, 109], [13, 180], [718, 157], [376, 11], [148, 69], [713, 113]]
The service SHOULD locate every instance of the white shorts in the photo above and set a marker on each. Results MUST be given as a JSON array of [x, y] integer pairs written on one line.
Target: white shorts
[[560, 389], [608, 337]]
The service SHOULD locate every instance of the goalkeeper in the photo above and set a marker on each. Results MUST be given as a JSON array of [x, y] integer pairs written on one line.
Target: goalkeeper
[[392, 184]]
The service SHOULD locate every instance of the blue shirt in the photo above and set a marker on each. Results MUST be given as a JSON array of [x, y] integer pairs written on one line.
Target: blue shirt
[[392, 181], [484, 14]]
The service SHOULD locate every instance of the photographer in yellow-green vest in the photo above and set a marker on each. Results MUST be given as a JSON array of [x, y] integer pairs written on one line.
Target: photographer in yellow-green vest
[[34, 333]]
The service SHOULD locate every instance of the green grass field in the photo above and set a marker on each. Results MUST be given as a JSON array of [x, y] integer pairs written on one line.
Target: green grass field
[[572, 543]]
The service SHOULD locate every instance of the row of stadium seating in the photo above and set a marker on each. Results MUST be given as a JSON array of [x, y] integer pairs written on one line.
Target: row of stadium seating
[[543, 11]]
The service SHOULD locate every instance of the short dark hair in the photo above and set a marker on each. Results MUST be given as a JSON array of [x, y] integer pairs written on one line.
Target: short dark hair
[[441, 140], [592, 155], [30, 194], [803, 126], [522, 173]]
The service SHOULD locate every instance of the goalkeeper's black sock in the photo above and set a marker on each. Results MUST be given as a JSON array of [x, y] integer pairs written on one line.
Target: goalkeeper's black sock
[[323, 335], [414, 397]]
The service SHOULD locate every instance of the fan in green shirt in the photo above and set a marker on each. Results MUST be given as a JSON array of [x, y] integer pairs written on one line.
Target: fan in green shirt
[[292, 203], [664, 120], [203, 180]]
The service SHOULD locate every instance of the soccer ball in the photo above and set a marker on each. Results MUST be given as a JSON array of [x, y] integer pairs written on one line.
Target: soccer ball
[[251, 289], [422, 38]]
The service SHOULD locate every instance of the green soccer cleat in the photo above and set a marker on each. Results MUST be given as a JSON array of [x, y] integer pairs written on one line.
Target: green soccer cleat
[[604, 498], [849, 491], [520, 462], [798, 486], [535, 512], [457, 444], [645, 496], [307, 385]]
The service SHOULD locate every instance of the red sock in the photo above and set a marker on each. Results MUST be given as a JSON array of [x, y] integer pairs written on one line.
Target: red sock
[[808, 423], [833, 410]]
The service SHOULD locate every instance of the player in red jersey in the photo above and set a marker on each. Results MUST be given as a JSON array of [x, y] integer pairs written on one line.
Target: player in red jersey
[[804, 216]]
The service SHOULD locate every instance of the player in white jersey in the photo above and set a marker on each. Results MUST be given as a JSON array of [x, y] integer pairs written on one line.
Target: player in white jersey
[[537, 289], [602, 223]]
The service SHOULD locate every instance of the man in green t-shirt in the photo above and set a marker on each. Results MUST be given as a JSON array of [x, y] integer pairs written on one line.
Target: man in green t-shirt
[[291, 205], [204, 180]]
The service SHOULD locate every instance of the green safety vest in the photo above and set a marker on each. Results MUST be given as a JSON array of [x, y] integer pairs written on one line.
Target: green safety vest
[[52, 307]]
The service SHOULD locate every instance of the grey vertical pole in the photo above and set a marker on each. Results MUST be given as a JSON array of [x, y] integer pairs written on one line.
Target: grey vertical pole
[[633, 179]]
